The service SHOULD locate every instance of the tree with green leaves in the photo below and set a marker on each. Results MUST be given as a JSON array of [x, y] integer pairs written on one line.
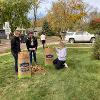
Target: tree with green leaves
[[46, 28], [15, 12]]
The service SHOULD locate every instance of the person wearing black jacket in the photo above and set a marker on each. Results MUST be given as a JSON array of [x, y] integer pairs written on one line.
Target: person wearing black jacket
[[15, 48], [31, 44]]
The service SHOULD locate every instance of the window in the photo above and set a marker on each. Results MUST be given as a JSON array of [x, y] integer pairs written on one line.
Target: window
[[85, 33], [79, 33], [70, 33]]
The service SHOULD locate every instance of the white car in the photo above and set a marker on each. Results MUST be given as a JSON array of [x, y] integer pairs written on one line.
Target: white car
[[79, 37]]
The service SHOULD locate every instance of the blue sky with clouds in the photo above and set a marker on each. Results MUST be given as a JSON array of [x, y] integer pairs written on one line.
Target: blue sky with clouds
[[45, 6], [43, 9]]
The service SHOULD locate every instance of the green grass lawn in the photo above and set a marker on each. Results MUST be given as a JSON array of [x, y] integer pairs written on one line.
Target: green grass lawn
[[79, 45], [81, 81], [88, 45]]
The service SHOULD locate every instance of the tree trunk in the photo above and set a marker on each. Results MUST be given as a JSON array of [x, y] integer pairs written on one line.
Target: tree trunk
[[35, 17]]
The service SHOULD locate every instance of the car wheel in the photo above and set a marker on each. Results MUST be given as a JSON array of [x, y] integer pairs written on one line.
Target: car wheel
[[92, 40], [71, 40]]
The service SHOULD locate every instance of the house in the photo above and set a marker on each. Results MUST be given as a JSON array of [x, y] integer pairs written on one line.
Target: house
[[2, 34]]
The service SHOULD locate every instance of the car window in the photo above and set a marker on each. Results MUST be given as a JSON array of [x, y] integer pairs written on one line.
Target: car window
[[79, 33], [63, 32], [85, 33], [71, 33]]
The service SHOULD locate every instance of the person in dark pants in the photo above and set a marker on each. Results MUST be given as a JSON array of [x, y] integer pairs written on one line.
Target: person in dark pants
[[59, 62], [31, 44], [15, 48]]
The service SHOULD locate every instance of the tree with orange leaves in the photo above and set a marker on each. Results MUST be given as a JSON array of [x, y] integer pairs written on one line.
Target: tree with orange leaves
[[65, 14]]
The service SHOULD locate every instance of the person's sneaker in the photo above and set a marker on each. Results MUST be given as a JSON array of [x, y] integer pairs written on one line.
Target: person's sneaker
[[66, 65]]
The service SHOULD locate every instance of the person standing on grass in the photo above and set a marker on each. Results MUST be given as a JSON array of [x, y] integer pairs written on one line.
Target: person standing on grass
[[31, 44], [59, 62], [43, 39], [15, 48]]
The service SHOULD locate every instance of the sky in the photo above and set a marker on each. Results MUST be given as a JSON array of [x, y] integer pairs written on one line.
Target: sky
[[43, 9], [94, 3], [45, 6]]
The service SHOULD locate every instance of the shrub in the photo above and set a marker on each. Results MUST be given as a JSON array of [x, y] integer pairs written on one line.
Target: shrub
[[50, 33], [97, 48], [47, 29]]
